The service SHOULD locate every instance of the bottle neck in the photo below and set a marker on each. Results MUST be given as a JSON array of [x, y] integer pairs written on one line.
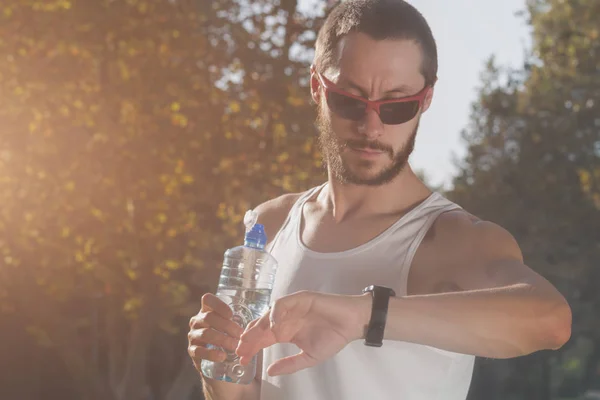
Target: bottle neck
[[254, 244]]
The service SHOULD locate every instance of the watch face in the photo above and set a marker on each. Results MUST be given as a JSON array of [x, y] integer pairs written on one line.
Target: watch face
[[380, 289]]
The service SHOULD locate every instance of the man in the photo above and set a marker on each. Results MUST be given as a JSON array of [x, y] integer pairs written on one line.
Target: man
[[449, 286]]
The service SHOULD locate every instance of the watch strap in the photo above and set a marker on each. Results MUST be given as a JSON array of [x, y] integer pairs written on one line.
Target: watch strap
[[379, 310]]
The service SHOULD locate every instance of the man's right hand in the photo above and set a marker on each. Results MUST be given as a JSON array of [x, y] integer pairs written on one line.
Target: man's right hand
[[213, 326]]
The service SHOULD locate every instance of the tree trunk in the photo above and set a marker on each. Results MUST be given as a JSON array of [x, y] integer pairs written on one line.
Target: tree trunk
[[88, 381], [187, 379], [133, 384], [115, 344], [545, 392], [592, 368]]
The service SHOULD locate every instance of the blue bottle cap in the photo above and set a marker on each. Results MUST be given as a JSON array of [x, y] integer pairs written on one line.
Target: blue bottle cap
[[256, 237]]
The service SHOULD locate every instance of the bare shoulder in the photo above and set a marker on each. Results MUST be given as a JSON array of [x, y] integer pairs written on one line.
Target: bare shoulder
[[273, 213], [457, 245], [460, 232]]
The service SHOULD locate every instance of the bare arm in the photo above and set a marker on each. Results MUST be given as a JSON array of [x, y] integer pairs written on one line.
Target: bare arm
[[494, 305]]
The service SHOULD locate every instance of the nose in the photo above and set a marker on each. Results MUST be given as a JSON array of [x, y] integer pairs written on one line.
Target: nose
[[370, 126]]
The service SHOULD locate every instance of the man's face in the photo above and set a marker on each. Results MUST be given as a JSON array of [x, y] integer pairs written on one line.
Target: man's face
[[368, 152]]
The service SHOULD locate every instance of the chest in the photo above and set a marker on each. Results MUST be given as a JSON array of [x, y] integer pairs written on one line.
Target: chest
[[321, 234], [347, 269]]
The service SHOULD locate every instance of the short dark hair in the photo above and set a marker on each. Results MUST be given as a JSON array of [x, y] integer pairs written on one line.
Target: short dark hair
[[380, 19]]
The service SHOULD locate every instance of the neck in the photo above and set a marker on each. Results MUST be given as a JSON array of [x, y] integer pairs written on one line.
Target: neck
[[346, 201]]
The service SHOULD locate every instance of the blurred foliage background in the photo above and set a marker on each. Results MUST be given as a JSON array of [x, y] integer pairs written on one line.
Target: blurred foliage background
[[136, 133]]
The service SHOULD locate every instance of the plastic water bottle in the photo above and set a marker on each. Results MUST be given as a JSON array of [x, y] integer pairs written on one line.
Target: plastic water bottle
[[245, 284]]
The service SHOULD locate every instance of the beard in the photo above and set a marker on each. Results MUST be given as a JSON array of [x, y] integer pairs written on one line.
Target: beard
[[332, 149]]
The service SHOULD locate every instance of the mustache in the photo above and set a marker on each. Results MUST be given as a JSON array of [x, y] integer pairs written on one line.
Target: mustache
[[365, 144]]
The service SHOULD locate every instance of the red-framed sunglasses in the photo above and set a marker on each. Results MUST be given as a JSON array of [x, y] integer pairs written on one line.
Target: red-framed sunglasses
[[352, 107]]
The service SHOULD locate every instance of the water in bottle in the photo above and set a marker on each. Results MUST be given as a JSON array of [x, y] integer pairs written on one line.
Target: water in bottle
[[245, 284]]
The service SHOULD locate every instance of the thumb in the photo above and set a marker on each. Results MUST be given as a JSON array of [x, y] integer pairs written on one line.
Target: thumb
[[291, 364]]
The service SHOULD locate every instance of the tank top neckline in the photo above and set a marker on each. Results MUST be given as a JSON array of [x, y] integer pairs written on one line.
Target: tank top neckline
[[360, 248]]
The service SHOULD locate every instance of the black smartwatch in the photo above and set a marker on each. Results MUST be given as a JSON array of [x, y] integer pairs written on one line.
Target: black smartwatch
[[379, 309]]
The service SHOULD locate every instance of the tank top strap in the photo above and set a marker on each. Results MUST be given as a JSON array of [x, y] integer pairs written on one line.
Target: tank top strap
[[439, 206], [295, 213]]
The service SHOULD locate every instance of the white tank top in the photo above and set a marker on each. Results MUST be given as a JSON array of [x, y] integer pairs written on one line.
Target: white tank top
[[398, 370]]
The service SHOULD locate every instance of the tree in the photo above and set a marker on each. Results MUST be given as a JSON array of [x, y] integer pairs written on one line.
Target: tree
[[533, 166], [135, 136]]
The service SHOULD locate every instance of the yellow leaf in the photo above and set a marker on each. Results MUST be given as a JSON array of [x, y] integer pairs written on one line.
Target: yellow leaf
[[279, 130], [162, 218], [225, 164], [132, 274], [97, 213], [171, 232], [596, 198], [65, 232], [179, 120], [584, 179], [187, 179], [162, 273], [283, 157], [135, 303], [172, 264], [302, 175], [234, 107], [79, 257], [175, 107], [295, 101], [87, 250], [124, 69]]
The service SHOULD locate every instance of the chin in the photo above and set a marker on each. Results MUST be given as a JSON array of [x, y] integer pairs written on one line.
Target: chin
[[363, 177]]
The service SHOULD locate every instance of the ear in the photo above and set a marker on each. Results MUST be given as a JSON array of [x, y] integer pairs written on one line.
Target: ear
[[428, 100], [315, 86]]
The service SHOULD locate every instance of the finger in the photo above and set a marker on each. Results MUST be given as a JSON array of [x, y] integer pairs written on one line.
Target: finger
[[215, 321], [291, 364], [255, 339], [212, 302], [252, 324], [203, 337], [256, 329], [199, 353]]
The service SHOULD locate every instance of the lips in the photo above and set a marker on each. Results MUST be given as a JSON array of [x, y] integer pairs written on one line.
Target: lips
[[367, 149]]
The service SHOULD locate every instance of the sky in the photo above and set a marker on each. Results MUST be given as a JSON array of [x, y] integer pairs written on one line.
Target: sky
[[467, 32]]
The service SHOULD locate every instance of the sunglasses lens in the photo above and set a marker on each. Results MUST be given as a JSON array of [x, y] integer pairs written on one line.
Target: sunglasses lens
[[346, 107], [398, 113]]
